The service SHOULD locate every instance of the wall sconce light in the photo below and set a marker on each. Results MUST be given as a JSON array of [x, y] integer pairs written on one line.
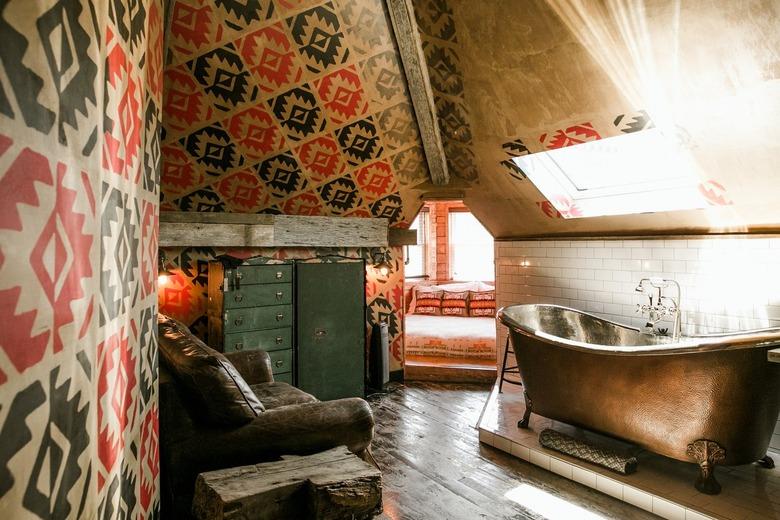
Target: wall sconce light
[[162, 271], [381, 263]]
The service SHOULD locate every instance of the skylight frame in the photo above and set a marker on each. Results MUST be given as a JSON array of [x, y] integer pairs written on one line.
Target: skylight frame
[[642, 154]]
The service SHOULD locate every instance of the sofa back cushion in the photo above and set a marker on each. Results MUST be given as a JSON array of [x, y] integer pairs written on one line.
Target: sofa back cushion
[[207, 376]]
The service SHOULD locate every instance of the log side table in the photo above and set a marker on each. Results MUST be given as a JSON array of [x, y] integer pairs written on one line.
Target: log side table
[[331, 485]]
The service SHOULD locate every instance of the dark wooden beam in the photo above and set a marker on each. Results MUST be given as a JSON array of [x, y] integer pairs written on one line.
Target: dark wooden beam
[[444, 194], [402, 237], [410, 47]]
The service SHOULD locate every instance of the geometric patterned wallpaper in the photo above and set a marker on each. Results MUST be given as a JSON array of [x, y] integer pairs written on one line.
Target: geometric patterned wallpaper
[[80, 112], [440, 46], [297, 107], [294, 107]]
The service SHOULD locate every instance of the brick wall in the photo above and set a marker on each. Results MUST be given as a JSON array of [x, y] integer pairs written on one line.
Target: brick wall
[[440, 227]]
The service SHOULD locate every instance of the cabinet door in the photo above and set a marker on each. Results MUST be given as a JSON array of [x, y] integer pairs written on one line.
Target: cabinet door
[[331, 329]]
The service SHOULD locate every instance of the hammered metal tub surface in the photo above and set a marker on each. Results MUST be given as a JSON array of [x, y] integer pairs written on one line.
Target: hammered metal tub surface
[[662, 396]]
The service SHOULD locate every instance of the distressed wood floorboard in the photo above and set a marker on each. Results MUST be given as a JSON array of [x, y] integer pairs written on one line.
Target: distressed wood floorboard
[[434, 467]]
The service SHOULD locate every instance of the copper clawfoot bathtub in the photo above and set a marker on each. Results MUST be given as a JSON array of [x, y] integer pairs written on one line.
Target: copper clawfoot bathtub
[[712, 399]]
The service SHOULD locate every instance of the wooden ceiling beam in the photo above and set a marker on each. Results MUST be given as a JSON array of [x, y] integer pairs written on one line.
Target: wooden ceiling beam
[[410, 47]]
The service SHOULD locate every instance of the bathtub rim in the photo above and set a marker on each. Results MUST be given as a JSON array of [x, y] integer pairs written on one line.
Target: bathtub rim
[[744, 339]]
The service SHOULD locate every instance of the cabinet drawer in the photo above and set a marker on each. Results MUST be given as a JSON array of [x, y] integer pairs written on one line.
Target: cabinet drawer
[[284, 378], [255, 274], [271, 317], [259, 295], [268, 340], [281, 361]]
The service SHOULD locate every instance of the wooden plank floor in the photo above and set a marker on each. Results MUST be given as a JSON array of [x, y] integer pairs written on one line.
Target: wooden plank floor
[[434, 467]]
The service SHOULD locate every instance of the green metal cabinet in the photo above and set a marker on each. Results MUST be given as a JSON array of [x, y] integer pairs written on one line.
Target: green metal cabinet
[[309, 317], [330, 332], [251, 307]]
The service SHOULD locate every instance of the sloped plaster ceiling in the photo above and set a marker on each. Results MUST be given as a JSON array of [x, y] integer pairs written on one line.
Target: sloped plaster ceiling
[[288, 106], [529, 76]]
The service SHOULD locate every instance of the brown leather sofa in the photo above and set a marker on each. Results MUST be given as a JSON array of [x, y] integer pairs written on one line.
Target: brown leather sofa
[[289, 421]]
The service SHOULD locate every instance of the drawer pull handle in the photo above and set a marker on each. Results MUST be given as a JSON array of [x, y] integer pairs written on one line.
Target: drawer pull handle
[[238, 297], [239, 320], [279, 275], [320, 333], [239, 346], [279, 339], [279, 295], [279, 317], [239, 276], [279, 363]]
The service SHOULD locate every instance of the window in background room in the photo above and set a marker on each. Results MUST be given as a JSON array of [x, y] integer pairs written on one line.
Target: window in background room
[[471, 249], [417, 255]]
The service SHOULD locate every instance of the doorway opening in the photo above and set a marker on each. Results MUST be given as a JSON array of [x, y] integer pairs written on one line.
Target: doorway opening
[[449, 323]]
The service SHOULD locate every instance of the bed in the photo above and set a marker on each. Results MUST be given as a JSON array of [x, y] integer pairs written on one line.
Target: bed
[[450, 336]]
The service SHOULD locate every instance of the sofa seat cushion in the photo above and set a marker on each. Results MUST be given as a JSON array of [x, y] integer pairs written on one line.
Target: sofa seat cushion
[[276, 394], [206, 376]]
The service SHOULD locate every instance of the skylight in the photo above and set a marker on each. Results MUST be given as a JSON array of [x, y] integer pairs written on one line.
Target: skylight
[[642, 172]]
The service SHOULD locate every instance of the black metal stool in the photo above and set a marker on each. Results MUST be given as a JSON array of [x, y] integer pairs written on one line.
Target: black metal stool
[[508, 370]]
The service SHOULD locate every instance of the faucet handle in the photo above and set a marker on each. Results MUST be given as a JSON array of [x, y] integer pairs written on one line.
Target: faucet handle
[[669, 305]]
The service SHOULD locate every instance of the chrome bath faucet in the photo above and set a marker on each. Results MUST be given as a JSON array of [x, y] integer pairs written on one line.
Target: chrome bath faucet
[[661, 306]]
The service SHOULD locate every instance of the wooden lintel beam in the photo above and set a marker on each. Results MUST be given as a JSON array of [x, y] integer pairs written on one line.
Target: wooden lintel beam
[[216, 218], [402, 237], [211, 234], [444, 195], [292, 231], [413, 58], [246, 230]]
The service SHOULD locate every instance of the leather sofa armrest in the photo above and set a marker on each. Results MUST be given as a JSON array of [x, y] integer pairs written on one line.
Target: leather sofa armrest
[[253, 365], [295, 430]]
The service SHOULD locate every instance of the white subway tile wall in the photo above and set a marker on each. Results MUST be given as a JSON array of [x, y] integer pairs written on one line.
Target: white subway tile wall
[[728, 283]]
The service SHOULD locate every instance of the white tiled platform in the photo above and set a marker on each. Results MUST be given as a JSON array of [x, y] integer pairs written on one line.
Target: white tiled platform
[[662, 486]]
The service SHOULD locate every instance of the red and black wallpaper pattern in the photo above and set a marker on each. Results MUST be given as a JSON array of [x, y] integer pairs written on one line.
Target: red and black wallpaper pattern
[[80, 115], [297, 107]]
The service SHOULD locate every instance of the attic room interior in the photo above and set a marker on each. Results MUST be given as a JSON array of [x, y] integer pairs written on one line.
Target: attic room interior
[[393, 259]]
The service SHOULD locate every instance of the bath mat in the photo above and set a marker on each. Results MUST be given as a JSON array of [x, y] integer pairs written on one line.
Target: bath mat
[[580, 449]]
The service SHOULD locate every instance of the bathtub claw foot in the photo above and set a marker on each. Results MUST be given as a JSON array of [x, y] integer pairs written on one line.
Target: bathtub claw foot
[[766, 462], [707, 454], [523, 423]]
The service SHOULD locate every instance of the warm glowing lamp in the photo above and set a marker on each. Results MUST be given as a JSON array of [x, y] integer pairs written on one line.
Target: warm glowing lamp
[[162, 271], [381, 264]]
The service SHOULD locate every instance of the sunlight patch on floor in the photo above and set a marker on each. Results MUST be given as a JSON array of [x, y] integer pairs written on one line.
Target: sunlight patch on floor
[[548, 505]]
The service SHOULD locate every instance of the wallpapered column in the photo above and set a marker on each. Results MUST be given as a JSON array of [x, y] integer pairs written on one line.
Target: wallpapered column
[[80, 95]]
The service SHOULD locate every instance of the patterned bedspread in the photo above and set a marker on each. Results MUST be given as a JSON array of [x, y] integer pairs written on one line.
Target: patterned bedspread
[[451, 336]]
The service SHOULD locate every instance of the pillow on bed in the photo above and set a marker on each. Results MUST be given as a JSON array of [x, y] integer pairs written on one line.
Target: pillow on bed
[[482, 303], [454, 303], [427, 301]]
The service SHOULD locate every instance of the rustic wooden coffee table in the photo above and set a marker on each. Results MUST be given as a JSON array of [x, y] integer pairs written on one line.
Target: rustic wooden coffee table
[[334, 484]]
